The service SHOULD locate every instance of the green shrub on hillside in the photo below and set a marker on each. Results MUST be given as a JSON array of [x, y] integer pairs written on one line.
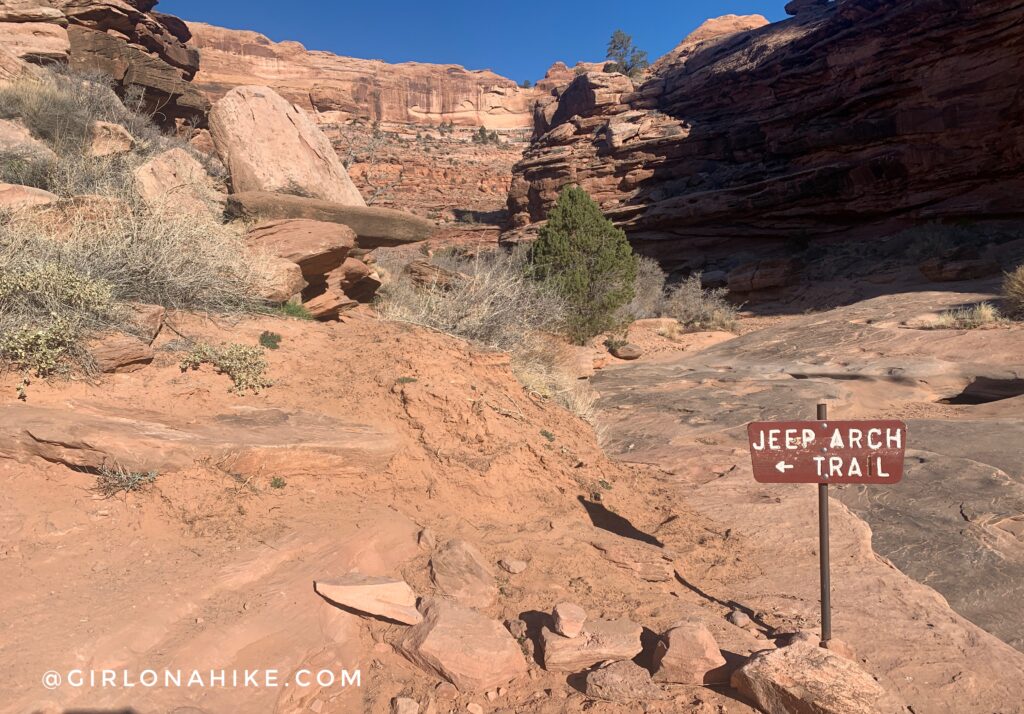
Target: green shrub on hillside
[[588, 261], [245, 365]]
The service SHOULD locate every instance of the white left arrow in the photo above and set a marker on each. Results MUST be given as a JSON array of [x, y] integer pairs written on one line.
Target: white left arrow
[[782, 467]]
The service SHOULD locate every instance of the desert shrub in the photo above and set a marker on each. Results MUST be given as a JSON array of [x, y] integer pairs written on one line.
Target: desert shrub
[[694, 306], [112, 480], [293, 309], [1013, 292], [63, 282], [586, 260], [650, 289], [498, 306], [968, 318], [270, 340], [244, 364], [26, 168], [60, 107]]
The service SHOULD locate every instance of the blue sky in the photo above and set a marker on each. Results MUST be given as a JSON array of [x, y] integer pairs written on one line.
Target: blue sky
[[518, 39]]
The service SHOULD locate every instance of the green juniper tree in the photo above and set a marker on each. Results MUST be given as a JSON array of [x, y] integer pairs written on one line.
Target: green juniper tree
[[586, 260], [623, 57]]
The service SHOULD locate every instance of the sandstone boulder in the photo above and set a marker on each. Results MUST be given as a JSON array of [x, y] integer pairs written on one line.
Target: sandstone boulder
[[13, 67], [175, 181], [627, 352], [17, 140], [427, 275], [108, 139], [356, 279], [569, 619], [120, 353], [459, 644], [329, 305], [811, 680], [600, 640], [374, 227], [15, 198], [460, 571], [621, 681], [282, 280], [389, 598], [37, 42], [688, 654], [269, 144], [316, 246]]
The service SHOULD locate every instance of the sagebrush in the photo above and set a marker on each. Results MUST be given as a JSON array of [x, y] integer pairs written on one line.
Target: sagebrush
[[1013, 293], [244, 364]]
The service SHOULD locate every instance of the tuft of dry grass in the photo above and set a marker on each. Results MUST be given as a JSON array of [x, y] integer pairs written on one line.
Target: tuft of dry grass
[[968, 318], [693, 306], [1013, 293]]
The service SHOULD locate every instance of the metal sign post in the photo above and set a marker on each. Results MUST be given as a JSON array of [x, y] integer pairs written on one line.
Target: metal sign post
[[823, 556], [824, 452]]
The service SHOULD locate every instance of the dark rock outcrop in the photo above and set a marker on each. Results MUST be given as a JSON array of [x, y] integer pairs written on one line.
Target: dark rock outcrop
[[850, 119]]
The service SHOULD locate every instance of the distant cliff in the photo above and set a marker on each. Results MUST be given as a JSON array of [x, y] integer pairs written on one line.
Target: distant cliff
[[344, 87]]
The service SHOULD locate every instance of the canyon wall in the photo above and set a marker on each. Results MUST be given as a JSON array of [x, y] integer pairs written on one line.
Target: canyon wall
[[345, 87], [849, 119]]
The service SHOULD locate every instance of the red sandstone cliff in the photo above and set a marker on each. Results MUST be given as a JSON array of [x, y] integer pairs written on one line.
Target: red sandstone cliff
[[344, 87], [852, 117]]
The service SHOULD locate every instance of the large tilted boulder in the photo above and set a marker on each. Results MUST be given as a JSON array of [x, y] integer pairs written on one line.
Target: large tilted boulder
[[807, 679], [374, 227], [269, 144], [459, 644]]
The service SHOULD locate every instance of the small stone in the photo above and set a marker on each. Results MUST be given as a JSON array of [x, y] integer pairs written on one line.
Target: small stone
[[627, 351], [569, 619], [739, 618], [621, 682], [491, 695], [108, 139], [512, 566], [404, 705], [688, 654], [474, 708]]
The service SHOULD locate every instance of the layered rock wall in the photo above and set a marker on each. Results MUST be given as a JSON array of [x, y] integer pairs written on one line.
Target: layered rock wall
[[856, 117]]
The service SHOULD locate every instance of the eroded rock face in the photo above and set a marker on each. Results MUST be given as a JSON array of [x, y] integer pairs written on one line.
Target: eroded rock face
[[385, 597], [461, 572], [411, 92], [269, 144], [802, 128]]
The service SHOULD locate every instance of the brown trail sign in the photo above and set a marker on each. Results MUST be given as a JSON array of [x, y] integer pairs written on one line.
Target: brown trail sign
[[824, 452], [828, 451]]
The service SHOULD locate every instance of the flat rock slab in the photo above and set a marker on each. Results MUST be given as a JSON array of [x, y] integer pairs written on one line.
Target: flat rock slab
[[461, 572], [85, 437], [464, 647], [806, 679], [622, 682], [600, 640], [374, 227], [316, 246], [383, 597]]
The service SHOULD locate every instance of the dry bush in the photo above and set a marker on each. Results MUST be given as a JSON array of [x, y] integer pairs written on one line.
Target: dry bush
[[650, 289], [968, 318], [246, 365], [62, 282], [1013, 292], [497, 306], [60, 107], [694, 306]]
